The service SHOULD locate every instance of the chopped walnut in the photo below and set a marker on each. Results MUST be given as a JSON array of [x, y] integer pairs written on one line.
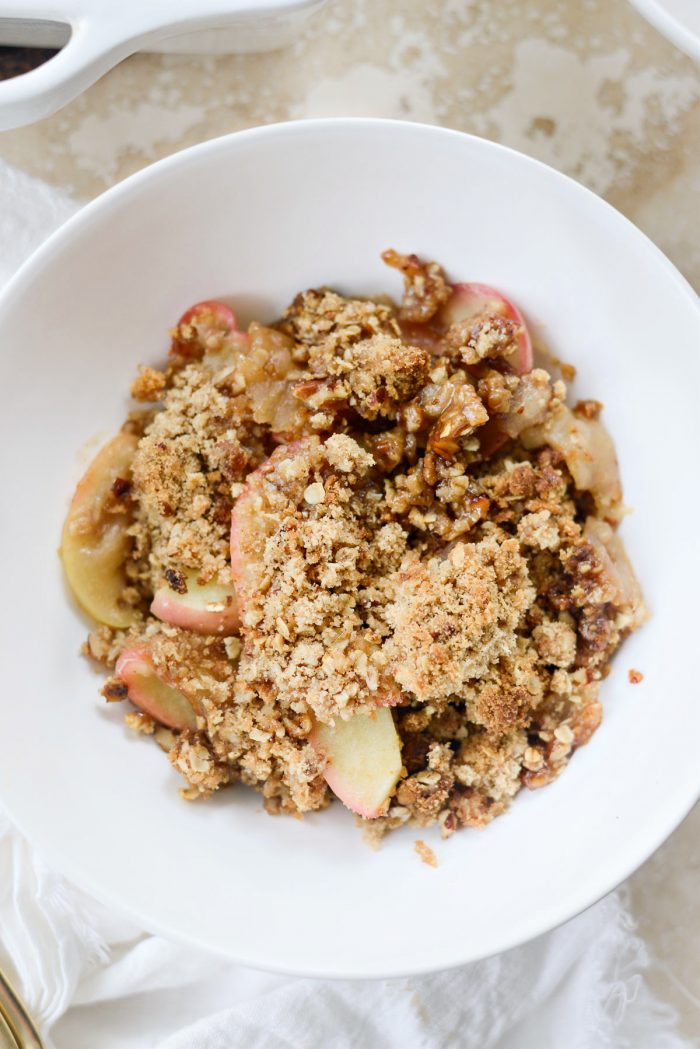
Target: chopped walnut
[[426, 288], [464, 413]]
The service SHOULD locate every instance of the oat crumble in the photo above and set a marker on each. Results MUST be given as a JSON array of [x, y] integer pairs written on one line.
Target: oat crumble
[[425, 853], [361, 511]]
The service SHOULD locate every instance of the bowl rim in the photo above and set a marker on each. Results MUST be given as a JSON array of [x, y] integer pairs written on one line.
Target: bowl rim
[[670, 26], [74, 223], [559, 913]]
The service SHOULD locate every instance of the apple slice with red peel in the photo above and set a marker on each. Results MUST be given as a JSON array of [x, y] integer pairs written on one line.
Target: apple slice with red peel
[[150, 693], [473, 300], [210, 315], [94, 542], [491, 438], [364, 760], [249, 532], [616, 569], [208, 327], [252, 524], [589, 453], [207, 609]]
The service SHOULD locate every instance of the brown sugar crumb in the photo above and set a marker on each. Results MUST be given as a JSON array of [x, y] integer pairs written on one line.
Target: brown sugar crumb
[[455, 616], [461, 417], [310, 634], [568, 371], [320, 317], [374, 375], [182, 472], [426, 854], [588, 409], [406, 524], [539, 530], [149, 385], [192, 755], [635, 677], [487, 335], [555, 641], [140, 722], [104, 644], [373, 832]]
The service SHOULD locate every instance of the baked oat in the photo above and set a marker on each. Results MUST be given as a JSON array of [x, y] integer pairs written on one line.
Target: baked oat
[[367, 550]]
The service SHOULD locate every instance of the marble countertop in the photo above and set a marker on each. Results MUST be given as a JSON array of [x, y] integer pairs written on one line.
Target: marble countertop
[[587, 87]]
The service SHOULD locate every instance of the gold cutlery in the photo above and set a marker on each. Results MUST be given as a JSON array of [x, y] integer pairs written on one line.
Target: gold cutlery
[[17, 1030]]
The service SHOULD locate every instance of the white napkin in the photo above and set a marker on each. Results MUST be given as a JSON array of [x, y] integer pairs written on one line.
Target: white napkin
[[92, 980]]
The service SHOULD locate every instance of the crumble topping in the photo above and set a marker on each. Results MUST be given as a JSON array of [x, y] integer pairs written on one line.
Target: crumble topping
[[313, 635], [374, 375], [455, 616], [416, 525], [323, 319], [426, 854], [149, 385], [483, 337]]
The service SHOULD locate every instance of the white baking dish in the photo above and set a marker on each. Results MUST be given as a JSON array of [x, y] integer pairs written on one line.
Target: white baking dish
[[678, 20], [96, 34]]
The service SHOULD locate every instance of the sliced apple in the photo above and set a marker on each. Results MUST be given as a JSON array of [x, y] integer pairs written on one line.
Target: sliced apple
[[616, 568], [208, 327], [491, 438], [472, 300], [250, 528], [364, 760], [94, 543], [150, 693], [209, 317], [207, 609], [589, 453], [252, 524]]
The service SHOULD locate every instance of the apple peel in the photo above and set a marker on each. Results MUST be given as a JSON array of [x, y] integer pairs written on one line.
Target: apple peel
[[211, 312], [364, 760], [472, 300], [150, 693], [251, 526], [207, 609]]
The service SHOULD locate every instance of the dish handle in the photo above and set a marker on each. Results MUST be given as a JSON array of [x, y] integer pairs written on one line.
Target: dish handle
[[88, 54], [103, 32]]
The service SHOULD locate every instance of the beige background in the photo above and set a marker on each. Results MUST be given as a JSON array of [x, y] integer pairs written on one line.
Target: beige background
[[585, 85]]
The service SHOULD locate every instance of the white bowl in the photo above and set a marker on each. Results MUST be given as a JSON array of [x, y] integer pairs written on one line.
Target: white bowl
[[678, 20], [255, 217]]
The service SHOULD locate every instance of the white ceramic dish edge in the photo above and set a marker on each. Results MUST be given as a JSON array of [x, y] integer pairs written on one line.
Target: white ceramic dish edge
[[676, 20], [103, 33]]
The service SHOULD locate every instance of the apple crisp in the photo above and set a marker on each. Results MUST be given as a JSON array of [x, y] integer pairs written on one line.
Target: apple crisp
[[367, 551]]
